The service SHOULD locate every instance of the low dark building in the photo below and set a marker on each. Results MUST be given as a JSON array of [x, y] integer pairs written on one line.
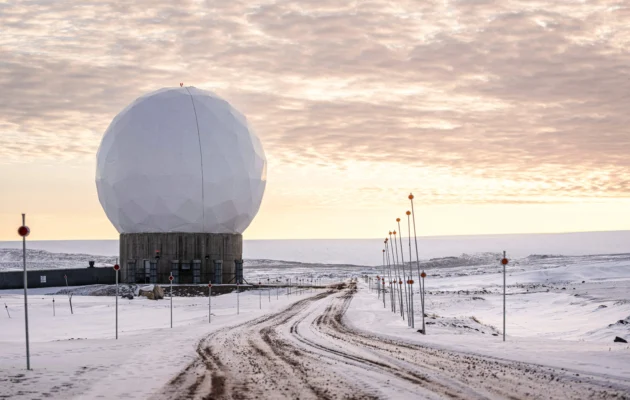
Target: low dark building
[[58, 277]]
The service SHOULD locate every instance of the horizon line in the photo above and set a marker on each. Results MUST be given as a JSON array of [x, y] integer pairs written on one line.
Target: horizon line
[[372, 238]]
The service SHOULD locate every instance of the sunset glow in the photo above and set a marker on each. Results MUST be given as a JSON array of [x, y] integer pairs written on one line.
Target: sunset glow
[[500, 117]]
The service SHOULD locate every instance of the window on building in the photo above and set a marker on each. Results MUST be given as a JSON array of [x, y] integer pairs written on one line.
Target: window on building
[[153, 272], [196, 271], [175, 270]]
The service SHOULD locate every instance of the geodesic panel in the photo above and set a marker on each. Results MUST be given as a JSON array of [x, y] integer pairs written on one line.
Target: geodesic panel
[[180, 160]]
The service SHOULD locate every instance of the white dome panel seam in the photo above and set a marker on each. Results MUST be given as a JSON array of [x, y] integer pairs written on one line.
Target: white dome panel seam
[[203, 200]]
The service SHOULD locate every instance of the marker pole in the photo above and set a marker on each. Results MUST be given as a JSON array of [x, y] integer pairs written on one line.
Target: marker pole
[[405, 279], [379, 281], [504, 265], [116, 304], [392, 289], [389, 276], [238, 310], [413, 320], [395, 264], [383, 289], [397, 278], [209, 302], [400, 290], [28, 352], [422, 294], [394, 296], [420, 279], [413, 317], [170, 278]]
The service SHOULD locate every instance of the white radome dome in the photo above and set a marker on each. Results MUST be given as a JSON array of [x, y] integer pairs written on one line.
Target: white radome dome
[[180, 160]]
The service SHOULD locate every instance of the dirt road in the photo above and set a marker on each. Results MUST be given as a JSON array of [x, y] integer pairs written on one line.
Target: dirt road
[[307, 352]]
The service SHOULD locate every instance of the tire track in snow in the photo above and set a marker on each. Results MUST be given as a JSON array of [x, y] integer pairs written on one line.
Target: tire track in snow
[[247, 361], [469, 376], [307, 352]]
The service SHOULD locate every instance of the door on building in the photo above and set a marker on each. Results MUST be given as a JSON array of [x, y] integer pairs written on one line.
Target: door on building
[[185, 272], [140, 272], [147, 271], [131, 271]]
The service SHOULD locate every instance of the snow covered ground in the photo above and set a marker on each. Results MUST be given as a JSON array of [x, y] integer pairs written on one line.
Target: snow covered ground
[[555, 297], [76, 355], [551, 335], [563, 312]]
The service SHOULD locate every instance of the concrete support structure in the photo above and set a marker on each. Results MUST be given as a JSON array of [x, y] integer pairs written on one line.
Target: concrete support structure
[[189, 256]]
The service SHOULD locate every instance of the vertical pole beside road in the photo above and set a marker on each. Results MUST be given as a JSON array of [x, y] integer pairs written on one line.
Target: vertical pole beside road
[[209, 302], [116, 304], [389, 266], [405, 279], [402, 309], [397, 278], [24, 232], [422, 293], [116, 268], [170, 278], [413, 317], [420, 277], [238, 310], [382, 276], [394, 271], [504, 261], [400, 288], [383, 289], [392, 278]]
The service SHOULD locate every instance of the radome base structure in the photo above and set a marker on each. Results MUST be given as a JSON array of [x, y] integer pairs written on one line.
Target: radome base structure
[[181, 175], [192, 258]]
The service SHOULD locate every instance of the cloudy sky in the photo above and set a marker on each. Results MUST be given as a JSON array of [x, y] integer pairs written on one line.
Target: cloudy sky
[[500, 116]]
